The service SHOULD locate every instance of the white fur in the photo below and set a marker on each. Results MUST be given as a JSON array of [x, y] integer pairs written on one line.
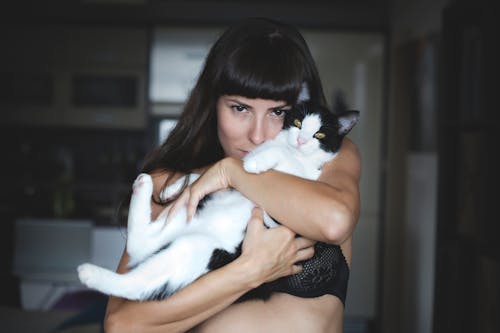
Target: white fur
[[220, 224], [285, 154]]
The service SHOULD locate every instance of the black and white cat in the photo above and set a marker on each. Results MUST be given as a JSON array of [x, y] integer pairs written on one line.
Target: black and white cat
[[166, 257]]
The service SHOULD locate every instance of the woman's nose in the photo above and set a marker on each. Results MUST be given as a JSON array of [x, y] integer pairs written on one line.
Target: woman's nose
[[257, 132]]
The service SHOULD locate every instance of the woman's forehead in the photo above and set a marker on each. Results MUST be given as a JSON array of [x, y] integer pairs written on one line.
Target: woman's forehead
[[270, 103]]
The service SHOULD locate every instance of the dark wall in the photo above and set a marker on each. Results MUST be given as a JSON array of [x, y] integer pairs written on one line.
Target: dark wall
[[468, 252]]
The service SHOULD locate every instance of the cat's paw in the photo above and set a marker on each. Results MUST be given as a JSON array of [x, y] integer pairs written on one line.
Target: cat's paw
[[269, 221], [88, 274], [140, 203], [142, 184], [259, 163], [250, 166]]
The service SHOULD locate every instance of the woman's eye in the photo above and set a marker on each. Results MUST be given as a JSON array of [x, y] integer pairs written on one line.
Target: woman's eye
[[319, 135], [279, 112], [239, 108]]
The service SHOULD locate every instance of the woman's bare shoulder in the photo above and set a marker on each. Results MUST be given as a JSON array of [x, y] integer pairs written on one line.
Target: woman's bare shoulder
[[348, 160], [348, 149], [161, 178]]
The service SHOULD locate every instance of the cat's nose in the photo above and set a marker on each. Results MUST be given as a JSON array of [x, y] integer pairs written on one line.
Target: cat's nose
[[301, 141]]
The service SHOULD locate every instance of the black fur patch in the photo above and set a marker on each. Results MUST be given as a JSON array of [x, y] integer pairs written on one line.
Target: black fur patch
[[164, 247], [203, 201], [222, 257], [330, 121], [160, 293]]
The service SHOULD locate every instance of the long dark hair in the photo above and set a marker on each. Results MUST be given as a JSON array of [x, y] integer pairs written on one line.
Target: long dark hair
[[255, 58]]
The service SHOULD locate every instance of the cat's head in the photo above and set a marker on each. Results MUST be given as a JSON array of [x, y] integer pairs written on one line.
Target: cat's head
[[312, 127]]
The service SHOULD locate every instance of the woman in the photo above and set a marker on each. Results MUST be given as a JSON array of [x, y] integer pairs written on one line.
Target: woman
[[251, 77]]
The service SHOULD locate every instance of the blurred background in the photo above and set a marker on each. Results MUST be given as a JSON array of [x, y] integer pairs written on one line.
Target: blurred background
[[89, 87]]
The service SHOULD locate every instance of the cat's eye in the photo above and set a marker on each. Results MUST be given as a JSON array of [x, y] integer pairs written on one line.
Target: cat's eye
[[297, 123], [319, 135]]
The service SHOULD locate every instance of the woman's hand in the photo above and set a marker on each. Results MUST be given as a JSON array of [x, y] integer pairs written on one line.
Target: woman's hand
[[273, 253], [215, 178]]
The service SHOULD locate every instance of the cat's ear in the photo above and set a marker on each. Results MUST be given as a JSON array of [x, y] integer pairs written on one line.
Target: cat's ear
[[347, 120], [303, 94]]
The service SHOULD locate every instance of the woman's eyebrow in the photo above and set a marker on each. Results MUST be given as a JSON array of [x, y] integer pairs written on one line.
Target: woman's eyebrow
[[237, 101], [234, 100], [281, 106]]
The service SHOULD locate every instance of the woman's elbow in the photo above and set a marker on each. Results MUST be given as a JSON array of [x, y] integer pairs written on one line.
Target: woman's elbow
[[117, 323], [121, 322], [339, 224], [112, 324]]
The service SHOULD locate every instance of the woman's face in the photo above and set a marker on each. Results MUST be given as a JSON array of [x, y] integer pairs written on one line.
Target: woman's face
[[244, 123]]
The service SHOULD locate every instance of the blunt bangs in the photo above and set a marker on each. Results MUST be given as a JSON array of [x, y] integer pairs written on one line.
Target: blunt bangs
[[261, 68]]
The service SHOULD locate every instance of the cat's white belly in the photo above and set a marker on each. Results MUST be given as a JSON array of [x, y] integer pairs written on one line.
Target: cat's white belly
[[225, 218]]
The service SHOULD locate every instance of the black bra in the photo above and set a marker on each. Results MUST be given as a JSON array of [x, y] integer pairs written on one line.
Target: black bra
[[326, 272]]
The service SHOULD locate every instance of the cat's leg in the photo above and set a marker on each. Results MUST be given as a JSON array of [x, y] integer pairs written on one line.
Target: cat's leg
[[108, 282], [140, 229], [178, 221], [268, 221], [263, 158], [146, 237], [133, 285], [161, 275], [185, 260]]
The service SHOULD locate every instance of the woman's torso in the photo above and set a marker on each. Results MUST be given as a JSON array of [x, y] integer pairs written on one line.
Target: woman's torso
[[282, 312]]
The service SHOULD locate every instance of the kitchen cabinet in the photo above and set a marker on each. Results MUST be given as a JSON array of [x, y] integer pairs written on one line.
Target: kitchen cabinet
[[74, 76], [48, 251]]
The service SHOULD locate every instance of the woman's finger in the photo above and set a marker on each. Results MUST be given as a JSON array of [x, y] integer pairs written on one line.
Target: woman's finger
[[305, 254], [178, 203], [256, 222], [257, 214], [296, 269], [302, 242], [192, 202]]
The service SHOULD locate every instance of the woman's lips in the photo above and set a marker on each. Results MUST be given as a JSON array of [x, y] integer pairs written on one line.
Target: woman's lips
[[244, 152]]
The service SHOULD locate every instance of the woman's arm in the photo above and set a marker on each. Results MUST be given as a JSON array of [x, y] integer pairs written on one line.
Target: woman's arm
[[325, 210], [266, 255]]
